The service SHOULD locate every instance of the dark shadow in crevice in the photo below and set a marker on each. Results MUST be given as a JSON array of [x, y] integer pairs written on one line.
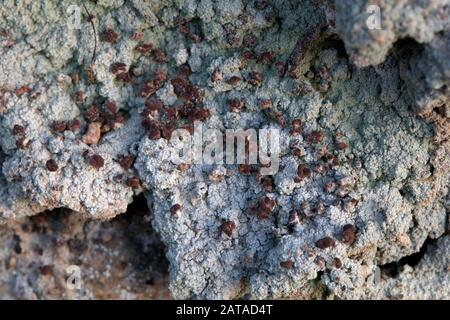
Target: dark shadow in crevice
[[334, 42], [393, 269], [144, 243], [405, 48], [122, 253]]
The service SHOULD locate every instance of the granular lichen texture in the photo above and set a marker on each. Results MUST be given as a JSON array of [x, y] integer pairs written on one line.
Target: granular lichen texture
[[92, 92]]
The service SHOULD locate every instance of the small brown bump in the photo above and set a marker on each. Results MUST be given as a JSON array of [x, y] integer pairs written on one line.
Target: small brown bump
[[22, 90], [265, 58], [159, 55], [297, 152], [348, 234], [319, 168], [22, 143], [148, 88], [341, 145], [183, 167], [328, 157], [216, 75], [227, 227], [154, 133], [335, 162], [111, 107], [293, 217], [337, 263], [59, 126], [296, 124], [320, 262], [323, 73], [175, 209], [126, 161], [78, 97], [137, 35], [265, 104], [184, 70], [92, 114], [303, 171], [118, 67], [160, 75], [288, 264], [301, 89], [97, 161], [266, 202], [305, 208], [235, 105], [326, 242], [315, 137], [51, 165], [277, 117], [263, 213], [133, 182], [244, 169], [125, 77], [75, 77], [74, 125], [116, 121], [90, 74], [267, 184], [166, 132], [118, 178], [153, 106], [144, 48], [186, 90], [18, 130], [246, 55], [266, 206], [350, 204], [234, 80], [329, 187], [255, 78], [46, 270], [281, 68], [319, 208], [109, 35]]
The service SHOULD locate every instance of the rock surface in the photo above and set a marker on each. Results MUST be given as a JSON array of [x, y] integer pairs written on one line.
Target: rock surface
[[90, 94], [118, 259]]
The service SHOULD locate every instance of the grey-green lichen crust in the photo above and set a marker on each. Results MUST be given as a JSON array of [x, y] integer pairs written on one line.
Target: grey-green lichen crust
[[390, 182]]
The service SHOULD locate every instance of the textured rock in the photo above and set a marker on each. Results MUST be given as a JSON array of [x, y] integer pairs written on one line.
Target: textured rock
[[362, 178], [118, 259], [369, 45], [429, 279]]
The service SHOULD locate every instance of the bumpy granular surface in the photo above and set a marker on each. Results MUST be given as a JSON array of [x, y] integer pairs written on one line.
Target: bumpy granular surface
[[90, 93]]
